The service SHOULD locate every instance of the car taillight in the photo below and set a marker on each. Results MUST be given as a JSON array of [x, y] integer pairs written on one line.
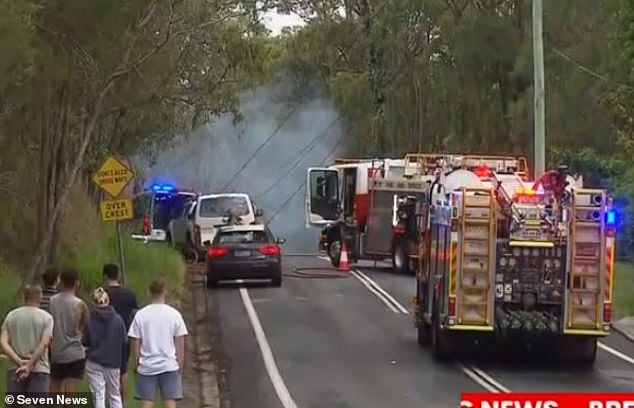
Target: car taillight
[[607, 312], [270, 250], [146, 224], [217, 252]]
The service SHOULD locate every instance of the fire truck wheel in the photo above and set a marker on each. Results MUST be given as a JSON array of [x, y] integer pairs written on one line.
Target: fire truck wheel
[[424, 335], [400, 258], [439, 341], [578, 350]]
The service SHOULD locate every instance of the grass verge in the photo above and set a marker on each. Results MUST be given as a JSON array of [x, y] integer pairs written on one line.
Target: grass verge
[[143, 262], [623, 288]]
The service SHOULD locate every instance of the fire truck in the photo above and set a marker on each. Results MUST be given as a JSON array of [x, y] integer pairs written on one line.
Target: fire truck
[[375, 205], [505, 258]]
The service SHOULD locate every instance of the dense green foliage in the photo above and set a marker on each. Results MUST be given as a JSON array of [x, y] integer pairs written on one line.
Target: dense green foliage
[[457, 75], [81, 79]]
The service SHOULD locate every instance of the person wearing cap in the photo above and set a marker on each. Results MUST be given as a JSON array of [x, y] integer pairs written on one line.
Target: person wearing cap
[[105, 339]]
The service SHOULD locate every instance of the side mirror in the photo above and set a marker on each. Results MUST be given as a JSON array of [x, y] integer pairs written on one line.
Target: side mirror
[[281, 241], [259, 212]]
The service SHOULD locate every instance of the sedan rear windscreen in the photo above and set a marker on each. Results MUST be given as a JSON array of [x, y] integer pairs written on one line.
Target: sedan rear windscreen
[[242, 237]]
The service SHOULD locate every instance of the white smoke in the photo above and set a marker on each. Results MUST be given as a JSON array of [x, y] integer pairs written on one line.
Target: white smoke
[[210, 158]]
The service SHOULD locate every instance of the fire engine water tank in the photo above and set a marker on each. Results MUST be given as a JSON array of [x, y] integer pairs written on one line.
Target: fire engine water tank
[[463, 178]]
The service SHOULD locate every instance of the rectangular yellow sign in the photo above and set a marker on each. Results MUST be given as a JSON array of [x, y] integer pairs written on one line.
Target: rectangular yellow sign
[[116, 210]]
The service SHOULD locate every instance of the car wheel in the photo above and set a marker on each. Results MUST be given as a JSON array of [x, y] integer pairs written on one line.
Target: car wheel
[[276, 281], [212, 281]]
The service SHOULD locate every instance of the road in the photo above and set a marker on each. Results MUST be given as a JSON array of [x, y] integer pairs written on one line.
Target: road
[[347, 340]]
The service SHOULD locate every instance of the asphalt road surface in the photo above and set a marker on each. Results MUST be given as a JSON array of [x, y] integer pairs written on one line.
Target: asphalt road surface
[[339, 340]]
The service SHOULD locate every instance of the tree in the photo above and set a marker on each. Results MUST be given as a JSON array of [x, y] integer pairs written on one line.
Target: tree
[[115, 76]]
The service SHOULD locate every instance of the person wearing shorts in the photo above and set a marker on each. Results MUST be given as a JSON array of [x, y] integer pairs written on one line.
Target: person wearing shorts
[[68, 357], [25, 337], [158, 334]]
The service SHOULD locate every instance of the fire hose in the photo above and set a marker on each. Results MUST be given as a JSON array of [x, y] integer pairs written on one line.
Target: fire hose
[[312, 273]]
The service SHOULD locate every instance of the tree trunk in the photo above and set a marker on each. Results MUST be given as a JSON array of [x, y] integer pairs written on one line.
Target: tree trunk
[[376, 70]]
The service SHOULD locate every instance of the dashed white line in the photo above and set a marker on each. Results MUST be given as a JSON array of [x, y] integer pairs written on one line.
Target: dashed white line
[[616, 353], [267, 354]]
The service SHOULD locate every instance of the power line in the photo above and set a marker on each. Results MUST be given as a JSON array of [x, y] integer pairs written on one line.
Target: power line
[[588, 70], [302, 184], [268, 139], [306, 149]]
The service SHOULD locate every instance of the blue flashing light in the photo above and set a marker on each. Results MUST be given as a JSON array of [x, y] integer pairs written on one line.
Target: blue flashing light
[[611, 217], [162, 188]]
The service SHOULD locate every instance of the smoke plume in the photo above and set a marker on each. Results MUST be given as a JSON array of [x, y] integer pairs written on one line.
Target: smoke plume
[[275, 173]]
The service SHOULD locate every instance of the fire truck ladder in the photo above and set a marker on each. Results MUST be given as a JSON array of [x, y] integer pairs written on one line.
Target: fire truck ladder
[[474, 303], [585, 283]]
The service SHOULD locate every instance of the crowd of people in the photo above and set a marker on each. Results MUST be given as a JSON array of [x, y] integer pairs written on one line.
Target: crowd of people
[[55, 338]]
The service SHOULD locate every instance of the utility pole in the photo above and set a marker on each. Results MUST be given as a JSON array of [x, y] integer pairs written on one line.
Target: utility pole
[[539, 146]]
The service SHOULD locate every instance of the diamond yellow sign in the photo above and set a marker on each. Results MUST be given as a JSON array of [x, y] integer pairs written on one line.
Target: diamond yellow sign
[[116, 210], [113, 176]]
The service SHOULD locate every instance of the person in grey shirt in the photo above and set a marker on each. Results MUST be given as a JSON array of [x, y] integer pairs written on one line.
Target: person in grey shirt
[[68, 356], [25, 338]]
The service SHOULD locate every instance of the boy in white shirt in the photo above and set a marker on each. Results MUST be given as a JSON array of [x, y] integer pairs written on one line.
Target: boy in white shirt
[[158, 334]]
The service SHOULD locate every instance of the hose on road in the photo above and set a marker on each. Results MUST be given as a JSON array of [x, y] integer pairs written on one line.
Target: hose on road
[[311, 273]]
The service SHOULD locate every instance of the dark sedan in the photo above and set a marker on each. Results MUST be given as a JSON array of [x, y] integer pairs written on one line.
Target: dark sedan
[[244, 252]]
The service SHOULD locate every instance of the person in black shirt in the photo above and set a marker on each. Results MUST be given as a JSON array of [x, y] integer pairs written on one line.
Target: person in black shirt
[[50, 280], [124, 301]]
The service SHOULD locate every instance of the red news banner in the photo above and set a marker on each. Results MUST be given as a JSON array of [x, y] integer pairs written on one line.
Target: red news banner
[[547, 400]]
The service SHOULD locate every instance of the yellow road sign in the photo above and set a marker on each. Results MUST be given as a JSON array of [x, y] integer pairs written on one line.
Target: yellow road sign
[[113, 176], [116, 210]]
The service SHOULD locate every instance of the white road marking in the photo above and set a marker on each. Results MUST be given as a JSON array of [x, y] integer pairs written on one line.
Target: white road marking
[[616, 353], [475, 377], [375, 292], [490, 379], [269, 362], [400, 307], [324, 258], [476, 374]]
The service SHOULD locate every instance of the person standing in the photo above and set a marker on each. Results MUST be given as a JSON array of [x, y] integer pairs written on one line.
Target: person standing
[[158, 334], [25, 337], [124, 301], [50, 280], [105, 338], [68, 356]]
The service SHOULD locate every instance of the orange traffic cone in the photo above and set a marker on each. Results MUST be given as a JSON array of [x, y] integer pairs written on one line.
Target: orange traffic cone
[[344, 263]]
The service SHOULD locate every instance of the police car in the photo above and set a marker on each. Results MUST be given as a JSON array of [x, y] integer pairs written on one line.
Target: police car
[[154, 210]]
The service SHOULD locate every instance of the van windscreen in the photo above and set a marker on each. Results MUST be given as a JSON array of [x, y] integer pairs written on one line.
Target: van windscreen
[[214, 207]]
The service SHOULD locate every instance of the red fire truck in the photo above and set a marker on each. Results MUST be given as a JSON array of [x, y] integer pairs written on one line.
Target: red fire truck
[[375, 205], [505, 258]]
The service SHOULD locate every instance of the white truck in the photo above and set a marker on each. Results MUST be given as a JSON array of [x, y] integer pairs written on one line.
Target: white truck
[[196, 227]]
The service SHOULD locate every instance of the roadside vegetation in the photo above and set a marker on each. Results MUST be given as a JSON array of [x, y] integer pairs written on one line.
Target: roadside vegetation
[[81, 80]]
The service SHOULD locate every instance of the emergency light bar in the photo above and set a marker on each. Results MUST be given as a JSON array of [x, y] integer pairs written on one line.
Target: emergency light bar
[[610, 218], [162, 188]]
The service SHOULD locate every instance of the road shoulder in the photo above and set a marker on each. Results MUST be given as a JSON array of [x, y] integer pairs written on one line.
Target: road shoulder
[[200, 378], [625, 327]]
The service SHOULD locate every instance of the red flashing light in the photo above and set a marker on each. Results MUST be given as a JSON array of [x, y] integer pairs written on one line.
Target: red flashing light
[[146, 224], [483, 172], [270, 250], [217, 252]]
